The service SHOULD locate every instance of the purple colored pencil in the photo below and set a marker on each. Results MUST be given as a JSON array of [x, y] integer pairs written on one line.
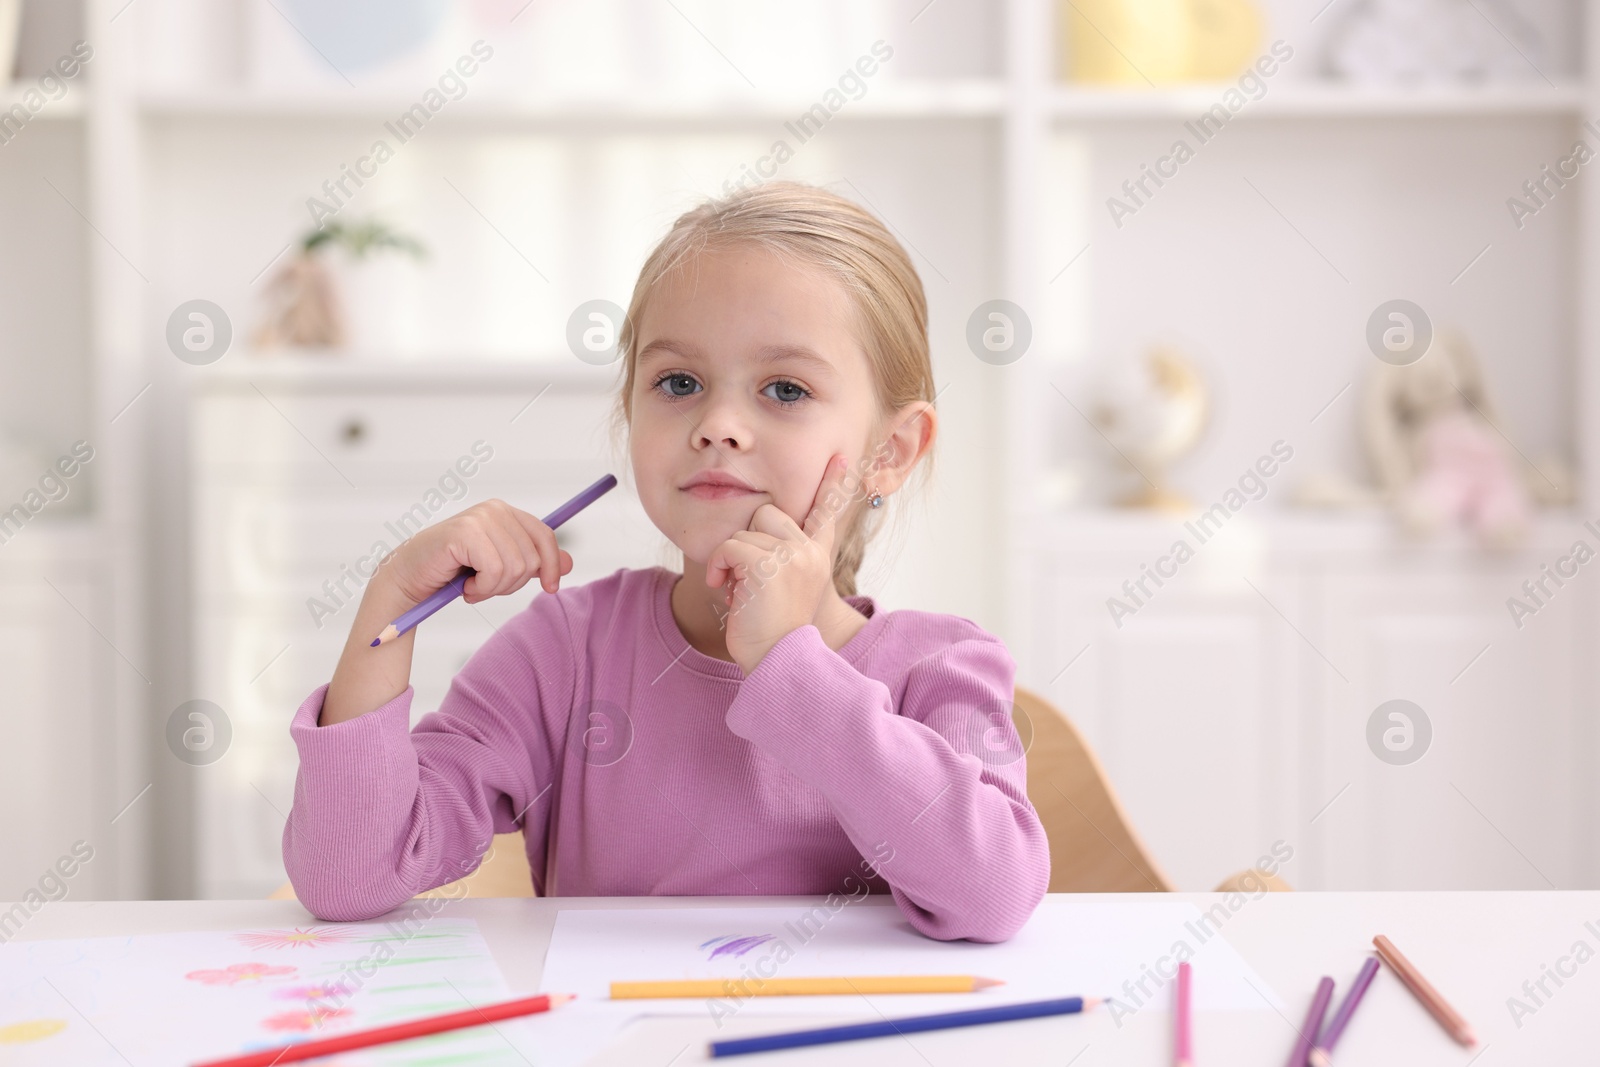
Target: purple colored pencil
[[452, 589], [1313, 1023], [1322, 1055]]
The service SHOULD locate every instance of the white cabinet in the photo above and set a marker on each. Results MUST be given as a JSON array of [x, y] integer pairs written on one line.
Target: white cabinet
[[1231, 709], [55, 766], [298, 476], [1190, 701], [1494, 803]]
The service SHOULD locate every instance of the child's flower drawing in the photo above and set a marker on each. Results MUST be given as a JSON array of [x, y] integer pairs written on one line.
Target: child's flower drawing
[[316, 991], [301, 1021], [239, 972], [316, 935]]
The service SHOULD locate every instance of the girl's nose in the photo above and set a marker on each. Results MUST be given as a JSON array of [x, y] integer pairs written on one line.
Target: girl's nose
[[720, 424]]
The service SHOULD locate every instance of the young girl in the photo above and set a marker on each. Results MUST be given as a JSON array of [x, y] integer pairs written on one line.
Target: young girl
[[751, 726]]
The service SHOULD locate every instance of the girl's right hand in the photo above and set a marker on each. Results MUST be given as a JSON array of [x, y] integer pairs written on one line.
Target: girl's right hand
[[505, 545]]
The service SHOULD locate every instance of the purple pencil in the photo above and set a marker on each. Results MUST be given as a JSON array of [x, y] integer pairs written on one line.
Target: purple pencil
[[1322, 1055], [440, 597], [1313, 1023]]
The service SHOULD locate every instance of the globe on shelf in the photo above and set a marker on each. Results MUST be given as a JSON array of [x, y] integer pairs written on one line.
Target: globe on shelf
[[1153, 411]]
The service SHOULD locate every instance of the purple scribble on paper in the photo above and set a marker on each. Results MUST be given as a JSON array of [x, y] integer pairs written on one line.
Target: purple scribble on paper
[[729, 945]]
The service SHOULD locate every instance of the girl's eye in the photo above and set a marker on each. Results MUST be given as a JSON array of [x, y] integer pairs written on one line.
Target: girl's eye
[[788, 394], [675, 380], [791, 394]]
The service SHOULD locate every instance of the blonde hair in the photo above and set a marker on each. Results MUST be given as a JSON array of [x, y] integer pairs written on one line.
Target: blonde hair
[[829, 232]]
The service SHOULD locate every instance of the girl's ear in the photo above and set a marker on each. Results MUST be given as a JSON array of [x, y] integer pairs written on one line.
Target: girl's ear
[[911, 433]]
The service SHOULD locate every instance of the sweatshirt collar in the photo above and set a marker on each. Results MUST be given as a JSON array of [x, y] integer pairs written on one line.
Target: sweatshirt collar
[[692, 659]]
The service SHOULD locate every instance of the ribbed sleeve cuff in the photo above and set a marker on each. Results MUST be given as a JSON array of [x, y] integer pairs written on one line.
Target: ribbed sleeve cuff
[[354, 776], [362, 745]]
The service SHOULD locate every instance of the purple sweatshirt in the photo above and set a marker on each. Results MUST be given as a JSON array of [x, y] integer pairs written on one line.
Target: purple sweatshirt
[[635, 764]]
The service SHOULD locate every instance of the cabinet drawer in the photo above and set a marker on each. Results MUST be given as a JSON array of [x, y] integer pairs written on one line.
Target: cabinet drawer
[[375, 436]]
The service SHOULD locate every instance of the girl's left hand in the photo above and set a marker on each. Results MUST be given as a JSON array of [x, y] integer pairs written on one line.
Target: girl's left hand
[[777, 574]]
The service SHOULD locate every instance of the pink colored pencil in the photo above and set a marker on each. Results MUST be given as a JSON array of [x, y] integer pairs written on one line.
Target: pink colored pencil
[[1183, 1055]]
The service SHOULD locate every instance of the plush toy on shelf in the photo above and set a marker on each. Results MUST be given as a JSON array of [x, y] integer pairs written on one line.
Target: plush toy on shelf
[[1432, 41], [1440, 455]]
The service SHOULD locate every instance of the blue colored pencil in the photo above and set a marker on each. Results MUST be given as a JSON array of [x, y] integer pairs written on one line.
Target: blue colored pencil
[[452, 589], [890, 1027]]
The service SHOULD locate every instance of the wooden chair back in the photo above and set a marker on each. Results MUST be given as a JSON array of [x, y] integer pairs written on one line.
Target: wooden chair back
[[1093, 846]]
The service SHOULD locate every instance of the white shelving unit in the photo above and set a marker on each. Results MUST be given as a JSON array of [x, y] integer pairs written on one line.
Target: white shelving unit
[[1331, 101], [973, 97], [1231, 709], [193, 178]]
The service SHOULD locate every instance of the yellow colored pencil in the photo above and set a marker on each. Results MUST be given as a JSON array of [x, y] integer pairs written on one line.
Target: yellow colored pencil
[[789, 987]]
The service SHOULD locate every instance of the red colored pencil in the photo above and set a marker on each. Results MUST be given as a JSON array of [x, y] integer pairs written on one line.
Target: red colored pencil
[[1183, 1054], [432, 1024]]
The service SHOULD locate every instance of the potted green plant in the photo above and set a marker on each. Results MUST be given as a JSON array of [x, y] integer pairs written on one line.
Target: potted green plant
[[312, 303]]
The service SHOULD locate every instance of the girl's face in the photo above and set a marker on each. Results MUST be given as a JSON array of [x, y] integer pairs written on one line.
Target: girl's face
[[749, 367]]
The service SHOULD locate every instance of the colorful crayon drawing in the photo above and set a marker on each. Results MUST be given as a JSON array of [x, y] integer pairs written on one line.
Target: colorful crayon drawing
[[730, 945], [170, 998], [305, 1019], [296, 938], [31, 1030], [318, 991], [236, 973]]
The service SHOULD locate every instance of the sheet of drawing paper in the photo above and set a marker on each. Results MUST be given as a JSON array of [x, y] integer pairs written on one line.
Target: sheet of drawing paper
[[1127, 952], [165, 999]]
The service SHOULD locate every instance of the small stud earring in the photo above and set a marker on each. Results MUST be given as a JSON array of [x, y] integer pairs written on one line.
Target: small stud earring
[[876, 500]]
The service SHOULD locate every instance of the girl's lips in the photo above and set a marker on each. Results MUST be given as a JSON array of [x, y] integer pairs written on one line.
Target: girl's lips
[[707, 491]]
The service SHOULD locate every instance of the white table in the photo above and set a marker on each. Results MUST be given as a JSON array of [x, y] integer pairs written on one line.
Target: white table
[[1479, 948]]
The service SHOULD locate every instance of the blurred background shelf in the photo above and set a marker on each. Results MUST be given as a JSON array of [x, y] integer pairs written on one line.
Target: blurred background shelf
[[892, 100], [975, 98], [1308, 531], [68, 106], [456, 371], [1309, 99]]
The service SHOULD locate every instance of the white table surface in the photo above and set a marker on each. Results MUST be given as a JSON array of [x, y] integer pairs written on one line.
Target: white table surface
[[1478, 948]]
